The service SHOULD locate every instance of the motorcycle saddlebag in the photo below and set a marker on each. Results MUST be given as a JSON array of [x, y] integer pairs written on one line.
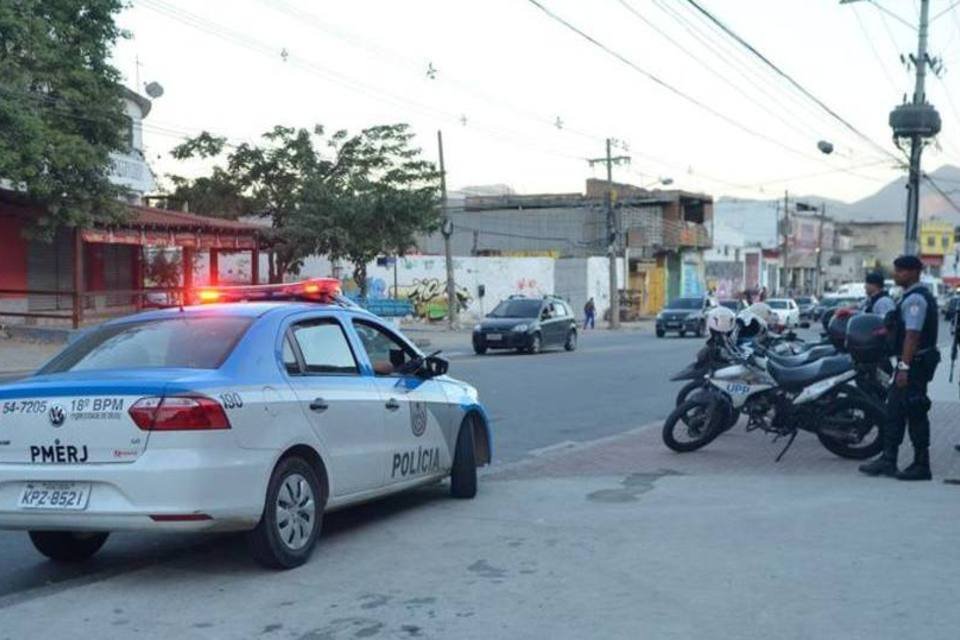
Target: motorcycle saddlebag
[[867, 338]]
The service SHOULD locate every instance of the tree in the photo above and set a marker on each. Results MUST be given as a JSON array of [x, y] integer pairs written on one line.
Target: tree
[[371, 196], [381, 196], [61, 109]]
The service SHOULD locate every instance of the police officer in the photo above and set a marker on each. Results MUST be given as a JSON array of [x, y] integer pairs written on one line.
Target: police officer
[[878, 300], [914, 327]]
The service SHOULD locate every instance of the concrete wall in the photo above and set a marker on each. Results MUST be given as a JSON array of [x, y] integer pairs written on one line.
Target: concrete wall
[[422, 279]]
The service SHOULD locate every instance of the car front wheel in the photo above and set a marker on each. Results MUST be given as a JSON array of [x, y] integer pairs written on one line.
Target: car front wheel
[[571, 343], [67, 546], [292, 515], [463, 475]]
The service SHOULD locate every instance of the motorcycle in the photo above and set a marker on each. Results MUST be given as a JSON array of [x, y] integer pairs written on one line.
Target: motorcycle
[[821, 396]]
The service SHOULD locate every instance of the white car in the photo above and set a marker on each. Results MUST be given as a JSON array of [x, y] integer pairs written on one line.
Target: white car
[[258, 416], [786, 311]]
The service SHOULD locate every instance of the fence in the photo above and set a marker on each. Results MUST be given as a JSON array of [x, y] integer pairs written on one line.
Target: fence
[[81, 307]]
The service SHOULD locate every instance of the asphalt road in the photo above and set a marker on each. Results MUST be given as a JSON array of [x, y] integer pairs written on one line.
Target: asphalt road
[[612, 383]]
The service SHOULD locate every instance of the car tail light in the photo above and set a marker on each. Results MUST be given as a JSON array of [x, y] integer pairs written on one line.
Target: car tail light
[[179, 413]]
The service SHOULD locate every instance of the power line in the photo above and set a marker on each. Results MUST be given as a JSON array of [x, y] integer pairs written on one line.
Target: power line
[[632, 10], [788, 78], [876, 54], [669, 87], [942, 193], [238, 39]]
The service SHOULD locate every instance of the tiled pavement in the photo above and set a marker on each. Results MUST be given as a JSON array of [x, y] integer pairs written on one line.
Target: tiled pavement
[[735, 452]]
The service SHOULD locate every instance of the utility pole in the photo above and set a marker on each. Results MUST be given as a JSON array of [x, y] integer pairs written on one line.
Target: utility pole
[[447, 230], [916, 120], [910, 244], [613, 231], [786, 243], [818, 284]]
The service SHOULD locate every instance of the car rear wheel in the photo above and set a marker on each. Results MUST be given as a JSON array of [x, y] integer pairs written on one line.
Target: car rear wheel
[[67, 546], [292, 516], [463, 475]]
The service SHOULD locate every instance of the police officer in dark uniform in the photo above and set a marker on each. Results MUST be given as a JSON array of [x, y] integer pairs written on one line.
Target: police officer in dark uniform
[[878, 300], [913, 326]]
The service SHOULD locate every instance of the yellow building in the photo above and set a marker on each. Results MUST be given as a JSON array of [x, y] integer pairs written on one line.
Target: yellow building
[[936, 238]]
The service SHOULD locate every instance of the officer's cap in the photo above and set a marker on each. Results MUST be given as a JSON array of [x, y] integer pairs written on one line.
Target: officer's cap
[[874, 277], [908, 263]]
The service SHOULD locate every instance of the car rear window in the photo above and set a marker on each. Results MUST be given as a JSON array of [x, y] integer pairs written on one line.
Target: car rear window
[[188, 342], [778, 304]]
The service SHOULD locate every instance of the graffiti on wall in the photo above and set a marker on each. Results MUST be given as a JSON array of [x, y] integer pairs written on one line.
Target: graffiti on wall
[[429, 297]]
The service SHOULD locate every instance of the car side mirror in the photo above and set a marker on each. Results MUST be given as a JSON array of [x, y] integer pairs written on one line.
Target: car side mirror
[[434, 366]]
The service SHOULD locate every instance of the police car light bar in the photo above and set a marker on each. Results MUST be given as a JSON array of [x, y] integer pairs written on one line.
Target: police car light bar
[[324, 290]]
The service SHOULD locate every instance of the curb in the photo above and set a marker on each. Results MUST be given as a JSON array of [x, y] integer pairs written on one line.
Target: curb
[[561, 449]]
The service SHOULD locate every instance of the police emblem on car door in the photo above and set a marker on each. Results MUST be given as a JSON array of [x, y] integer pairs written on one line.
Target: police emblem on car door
[[417, 416]]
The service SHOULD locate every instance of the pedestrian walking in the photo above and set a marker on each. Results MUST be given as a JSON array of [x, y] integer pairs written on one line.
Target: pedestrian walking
[[590, 314], [914, 327], [878, 299]]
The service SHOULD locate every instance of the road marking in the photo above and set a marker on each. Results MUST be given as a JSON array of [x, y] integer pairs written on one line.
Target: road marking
[[566, 444]]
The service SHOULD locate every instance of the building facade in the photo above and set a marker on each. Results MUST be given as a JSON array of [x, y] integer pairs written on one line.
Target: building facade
[[662, 235]]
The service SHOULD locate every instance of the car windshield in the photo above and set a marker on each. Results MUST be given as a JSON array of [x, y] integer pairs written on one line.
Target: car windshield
[[804, 300], [778, 304], [188, 342], [686, 303], [516, 309], [730, 304]]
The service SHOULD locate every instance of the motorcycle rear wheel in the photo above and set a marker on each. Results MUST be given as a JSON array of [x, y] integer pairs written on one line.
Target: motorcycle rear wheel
[[849, 413], [693, 424]]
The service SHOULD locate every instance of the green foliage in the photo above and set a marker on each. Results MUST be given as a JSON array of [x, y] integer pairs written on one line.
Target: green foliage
[[369, 194], [61, 110]]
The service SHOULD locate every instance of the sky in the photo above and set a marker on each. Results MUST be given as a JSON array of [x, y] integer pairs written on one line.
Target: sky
[[524, 101]]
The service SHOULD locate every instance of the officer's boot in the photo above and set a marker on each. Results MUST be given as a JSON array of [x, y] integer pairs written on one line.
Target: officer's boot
[[885, 465], [920, 469]]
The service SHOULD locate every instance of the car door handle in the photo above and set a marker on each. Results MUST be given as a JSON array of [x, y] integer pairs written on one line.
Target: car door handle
[[392, 404], [319, 405]]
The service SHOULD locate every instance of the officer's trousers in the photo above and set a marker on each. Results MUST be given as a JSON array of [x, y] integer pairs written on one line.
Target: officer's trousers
[[909, 405]]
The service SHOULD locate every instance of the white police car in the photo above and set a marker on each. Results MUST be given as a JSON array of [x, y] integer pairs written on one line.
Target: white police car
[[258, 416]]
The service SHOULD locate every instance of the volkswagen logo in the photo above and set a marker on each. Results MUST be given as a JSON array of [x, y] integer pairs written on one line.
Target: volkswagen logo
[[57, 415]]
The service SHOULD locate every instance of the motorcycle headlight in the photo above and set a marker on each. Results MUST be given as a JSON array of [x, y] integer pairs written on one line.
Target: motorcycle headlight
[[521, 327]]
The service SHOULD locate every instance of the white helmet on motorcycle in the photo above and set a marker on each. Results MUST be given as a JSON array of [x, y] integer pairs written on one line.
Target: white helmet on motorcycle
[[750, 325], [721, 320], [763, 311]]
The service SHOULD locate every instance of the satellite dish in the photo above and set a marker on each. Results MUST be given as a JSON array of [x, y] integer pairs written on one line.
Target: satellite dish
[[825, 147], [154, 89]]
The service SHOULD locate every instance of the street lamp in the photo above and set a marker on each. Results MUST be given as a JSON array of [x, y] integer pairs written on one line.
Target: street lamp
[[826, 148]]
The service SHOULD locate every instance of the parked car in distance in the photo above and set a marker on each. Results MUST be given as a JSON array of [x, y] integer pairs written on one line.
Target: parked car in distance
[[806, 305], [831, 303], [786, 313], [733, 304], [683, 315], [527, 324]]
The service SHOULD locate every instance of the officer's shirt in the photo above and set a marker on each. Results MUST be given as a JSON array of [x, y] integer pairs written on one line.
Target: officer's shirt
[[883, 306], [913, 309]]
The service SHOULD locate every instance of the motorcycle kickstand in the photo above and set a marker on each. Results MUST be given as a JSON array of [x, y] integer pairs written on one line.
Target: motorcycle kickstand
[[793, 436]]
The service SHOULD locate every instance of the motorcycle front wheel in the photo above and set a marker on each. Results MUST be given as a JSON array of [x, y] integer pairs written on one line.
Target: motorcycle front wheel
[[694, 389], [852, 428], [693, 424]]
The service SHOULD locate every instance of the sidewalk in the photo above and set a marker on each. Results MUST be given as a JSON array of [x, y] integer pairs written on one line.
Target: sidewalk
[[21, 357], [614, 539]]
